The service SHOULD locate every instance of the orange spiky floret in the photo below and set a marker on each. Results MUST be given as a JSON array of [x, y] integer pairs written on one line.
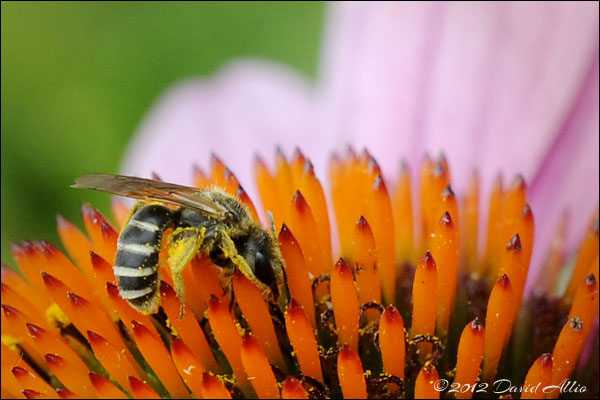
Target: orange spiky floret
[[345, 304], [292, 389], [444, 249], [226, 333], [159, 359], [43, 313], [298, 278], [470, 225], [538, 378], [403, 216], [187, 328], [425, 385], [70, 376], [105, 388], [566, 352], [303, 340], [312, 190], [258, 369], [256, 313], [302, 223], [141, 390], [469, 356], [494, 226], [391, 342], [212, 388], [364, 255], [188, 366], [497, 325], [351, 374], [587, 252], [425, 301]]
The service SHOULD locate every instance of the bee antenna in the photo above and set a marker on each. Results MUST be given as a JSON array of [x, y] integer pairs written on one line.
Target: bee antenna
[[271, 222]]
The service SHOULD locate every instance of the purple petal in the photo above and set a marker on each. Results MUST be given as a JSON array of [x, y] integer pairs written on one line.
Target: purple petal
[[568, 177], [250, 107]]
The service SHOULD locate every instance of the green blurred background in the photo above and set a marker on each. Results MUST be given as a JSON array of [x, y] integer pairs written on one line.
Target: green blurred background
[[77, 79]]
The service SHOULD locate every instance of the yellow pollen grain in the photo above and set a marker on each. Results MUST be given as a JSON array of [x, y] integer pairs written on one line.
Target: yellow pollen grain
[[56, 317]]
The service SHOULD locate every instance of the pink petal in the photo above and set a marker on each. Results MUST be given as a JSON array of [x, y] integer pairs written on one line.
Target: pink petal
[[487, 83], [250, 107], [568, 177]]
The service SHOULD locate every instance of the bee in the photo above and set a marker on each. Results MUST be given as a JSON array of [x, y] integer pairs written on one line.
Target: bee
[[206, 222]]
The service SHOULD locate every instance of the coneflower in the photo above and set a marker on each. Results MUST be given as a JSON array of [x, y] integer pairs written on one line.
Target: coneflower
[[406, 307]]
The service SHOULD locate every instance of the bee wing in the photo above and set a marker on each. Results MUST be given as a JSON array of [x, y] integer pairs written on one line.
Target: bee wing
[[147, 189]]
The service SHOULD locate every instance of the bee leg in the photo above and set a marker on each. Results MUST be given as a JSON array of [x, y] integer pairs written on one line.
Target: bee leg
[[230, 251], [185, 244], [232, 300]]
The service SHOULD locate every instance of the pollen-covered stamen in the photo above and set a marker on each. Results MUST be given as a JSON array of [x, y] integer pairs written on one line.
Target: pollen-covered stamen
[[105, 388], [207, 279], [493, 250], [312, 190], [365, 259], [303, 340], [187, 328], [587, 253], [515, 200], [526, 229], [112, 359], [256, 312], [345, 304], [76, 242], [158, 358], [302, 223], [425, 385], [46, 341], [511, 264], [141, 390], [283, 180], [566, 352], [258, 369], [444, 249], [298, 278], [425, 299], [27, 378], [212, 388], [538, 378], [84, 316], [351, 374], [469, 356], [103, 235], [226, 333], [70, 376], [378, 212], [292, 389], [270, 198], [585, 303], [497, 325], [403, 217], [188, 366], [391, 342], [470, 226]]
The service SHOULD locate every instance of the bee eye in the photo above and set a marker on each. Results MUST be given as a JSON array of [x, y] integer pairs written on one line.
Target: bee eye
[[264, 272]]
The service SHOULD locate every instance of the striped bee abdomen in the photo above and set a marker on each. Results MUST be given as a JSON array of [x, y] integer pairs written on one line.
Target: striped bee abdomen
[[136, 261]]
